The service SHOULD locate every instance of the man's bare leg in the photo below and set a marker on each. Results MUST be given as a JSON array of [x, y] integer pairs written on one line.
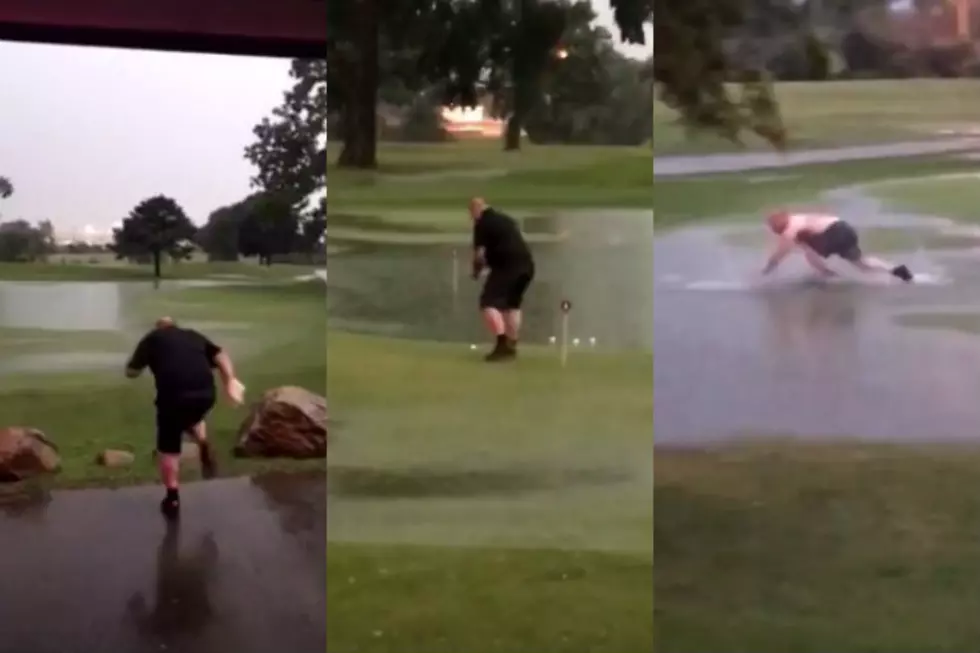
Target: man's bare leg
[[512, 325], [199, 432], [494, 320], [872, 264], [169, 466]]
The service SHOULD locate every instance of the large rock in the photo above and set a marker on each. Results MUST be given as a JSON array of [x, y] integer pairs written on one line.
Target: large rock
[[26, 453], [287, 422]]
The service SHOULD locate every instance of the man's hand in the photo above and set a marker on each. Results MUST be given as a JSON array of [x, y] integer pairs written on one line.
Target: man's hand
[[235, 391], [477, 270]]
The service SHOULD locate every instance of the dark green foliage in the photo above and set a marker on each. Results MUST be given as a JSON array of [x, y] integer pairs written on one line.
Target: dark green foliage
[[157, 226]]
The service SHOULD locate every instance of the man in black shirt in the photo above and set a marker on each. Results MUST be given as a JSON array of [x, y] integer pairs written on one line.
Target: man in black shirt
[[499, 244], [182, 361]]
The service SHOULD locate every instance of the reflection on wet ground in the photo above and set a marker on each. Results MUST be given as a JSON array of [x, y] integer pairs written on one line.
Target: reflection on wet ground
[[99, 570], [602, 266], [800, 357]]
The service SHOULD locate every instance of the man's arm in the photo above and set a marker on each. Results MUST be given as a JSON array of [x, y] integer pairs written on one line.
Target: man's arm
[[783, 248], [140, 358], [479, 251], [221, 361]]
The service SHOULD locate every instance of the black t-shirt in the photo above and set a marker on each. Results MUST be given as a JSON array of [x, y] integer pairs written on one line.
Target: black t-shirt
[[181, 361], [501, 240]]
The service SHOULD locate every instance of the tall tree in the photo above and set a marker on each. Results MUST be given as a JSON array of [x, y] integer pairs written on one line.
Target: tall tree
[[692, 70], [156, 227], [524, 43], [20, 241], [219, 235], [269, 227]]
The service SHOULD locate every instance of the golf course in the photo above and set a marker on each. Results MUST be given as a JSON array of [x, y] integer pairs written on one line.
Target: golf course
[[490, 508], [813, 483], [66, 331]]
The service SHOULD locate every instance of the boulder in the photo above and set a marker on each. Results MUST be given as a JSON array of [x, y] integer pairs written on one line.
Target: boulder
[[115, 458], [287, 422], [26, 453]]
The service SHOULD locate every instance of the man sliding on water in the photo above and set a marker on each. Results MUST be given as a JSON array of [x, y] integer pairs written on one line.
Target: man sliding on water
[[821, 236]]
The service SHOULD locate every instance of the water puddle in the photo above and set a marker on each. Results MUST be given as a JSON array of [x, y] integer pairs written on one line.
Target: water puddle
[[598, 260], [796, 355]]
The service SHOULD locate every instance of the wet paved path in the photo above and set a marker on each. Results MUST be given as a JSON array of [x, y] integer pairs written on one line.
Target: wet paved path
[[99, 570], [672, 166]]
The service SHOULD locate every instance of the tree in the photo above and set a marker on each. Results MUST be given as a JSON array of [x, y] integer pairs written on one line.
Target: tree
[[450, 42], [692, 69], [219, 236], [269, 227], [594, 94], [20, 241], [6, 188], [524, 45], [156, 227]]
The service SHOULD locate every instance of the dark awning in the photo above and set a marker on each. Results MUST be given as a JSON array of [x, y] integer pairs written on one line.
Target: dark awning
[[285, 28]]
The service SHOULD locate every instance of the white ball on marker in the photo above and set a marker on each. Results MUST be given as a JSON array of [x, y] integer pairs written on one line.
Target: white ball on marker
[[592, 341], [575, 341], [472, 346], [552, 340]]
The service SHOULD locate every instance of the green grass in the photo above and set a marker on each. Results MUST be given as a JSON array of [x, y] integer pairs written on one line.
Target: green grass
[[956, 197], [274, 331], [745, 194], [811, 548], [104, 268], [445, 176], [486, 601], [821, 114], [484, 484]]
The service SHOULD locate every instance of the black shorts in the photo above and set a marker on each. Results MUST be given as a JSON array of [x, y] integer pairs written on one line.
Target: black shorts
[[839, 239], [504, 288], [177, 416]]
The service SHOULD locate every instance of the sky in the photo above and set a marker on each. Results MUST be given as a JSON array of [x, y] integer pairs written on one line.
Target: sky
[[90, 132]]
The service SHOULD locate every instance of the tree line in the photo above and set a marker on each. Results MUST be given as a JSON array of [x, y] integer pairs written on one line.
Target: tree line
[[264, 225], [450, 53], [715, 60]]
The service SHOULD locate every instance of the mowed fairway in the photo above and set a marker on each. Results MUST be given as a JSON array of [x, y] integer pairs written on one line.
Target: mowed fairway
[[825, 114], [62, 372], [474, 507]]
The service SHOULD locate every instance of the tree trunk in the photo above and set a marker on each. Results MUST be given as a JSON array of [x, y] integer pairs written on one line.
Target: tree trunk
[[156, 264], [512, 135], [360, 124]]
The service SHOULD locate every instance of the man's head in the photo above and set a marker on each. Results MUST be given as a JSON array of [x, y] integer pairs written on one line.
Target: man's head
[[778, 221], [164, 322], [477, 206]]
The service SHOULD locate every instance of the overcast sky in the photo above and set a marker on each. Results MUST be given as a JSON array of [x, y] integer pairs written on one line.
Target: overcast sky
[[89, 132]]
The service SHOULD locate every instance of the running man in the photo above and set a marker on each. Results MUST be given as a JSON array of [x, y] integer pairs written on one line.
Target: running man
[[821, 236], [182, 361], [499, 244]]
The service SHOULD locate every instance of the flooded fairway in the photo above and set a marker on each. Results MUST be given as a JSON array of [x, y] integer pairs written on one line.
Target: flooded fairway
[[794, 356], [600, 261]]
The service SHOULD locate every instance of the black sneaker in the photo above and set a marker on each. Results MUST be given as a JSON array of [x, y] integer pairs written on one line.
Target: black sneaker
[[902, 273], [170, 507], [501, 351], [209, 468]]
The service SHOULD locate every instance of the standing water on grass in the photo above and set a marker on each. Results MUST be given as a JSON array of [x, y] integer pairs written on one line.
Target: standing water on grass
[[599, 260], [795, 356]]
